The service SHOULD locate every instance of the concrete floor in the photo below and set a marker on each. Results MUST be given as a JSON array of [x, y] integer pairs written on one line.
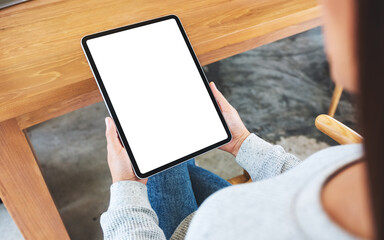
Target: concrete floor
[[278, 89]]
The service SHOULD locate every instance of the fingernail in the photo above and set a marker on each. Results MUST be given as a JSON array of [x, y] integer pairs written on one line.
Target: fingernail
[[214, 85], [107, 123]]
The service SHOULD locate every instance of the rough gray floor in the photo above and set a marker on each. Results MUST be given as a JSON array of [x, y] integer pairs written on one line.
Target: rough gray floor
[[278, 89]]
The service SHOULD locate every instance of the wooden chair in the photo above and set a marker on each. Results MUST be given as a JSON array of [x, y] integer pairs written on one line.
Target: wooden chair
[[335, 100], [244, 178], [326, 124], [336, 130], [333, 128]]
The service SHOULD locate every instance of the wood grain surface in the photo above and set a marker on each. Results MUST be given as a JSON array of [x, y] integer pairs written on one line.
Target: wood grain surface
[[336, 130], [335, 100], [23, 189], [44, 74]]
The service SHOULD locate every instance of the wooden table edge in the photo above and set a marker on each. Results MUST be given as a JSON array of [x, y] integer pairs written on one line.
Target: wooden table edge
[[91, 94]]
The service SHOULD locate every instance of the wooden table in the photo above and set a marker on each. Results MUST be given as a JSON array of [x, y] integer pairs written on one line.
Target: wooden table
[[44, 74]]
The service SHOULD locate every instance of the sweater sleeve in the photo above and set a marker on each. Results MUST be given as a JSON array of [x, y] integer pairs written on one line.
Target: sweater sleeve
[[129, 215], [263, 160]]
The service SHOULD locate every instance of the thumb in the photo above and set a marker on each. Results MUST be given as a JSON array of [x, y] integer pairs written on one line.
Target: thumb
[[113, 142], [224, 104]]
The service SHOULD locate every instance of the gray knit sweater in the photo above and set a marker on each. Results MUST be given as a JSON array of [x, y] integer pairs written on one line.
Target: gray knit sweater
[[279, 204]]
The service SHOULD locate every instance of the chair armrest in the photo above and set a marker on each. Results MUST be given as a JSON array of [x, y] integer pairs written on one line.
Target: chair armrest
[[244, 178], [336, 130]]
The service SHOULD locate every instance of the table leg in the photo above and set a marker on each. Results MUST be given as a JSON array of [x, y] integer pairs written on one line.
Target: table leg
[[23, 189]]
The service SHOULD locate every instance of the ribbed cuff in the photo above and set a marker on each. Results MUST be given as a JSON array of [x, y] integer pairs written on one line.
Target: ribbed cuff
[[251, 147], [128, 193], [252, 153]]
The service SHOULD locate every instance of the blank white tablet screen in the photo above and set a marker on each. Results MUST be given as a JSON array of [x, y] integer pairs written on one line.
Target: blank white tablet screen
[[157, 92]]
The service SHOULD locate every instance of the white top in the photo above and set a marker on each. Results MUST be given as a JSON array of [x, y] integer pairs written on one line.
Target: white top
[[279, 204]]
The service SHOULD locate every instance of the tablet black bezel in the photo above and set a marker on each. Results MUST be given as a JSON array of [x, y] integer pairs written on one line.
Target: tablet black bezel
[[113, 113]]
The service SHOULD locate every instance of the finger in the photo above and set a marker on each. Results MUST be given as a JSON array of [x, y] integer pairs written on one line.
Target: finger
[[113, 142], [224, 104]]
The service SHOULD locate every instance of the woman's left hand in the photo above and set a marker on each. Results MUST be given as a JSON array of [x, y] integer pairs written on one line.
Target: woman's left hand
[[118, 160]]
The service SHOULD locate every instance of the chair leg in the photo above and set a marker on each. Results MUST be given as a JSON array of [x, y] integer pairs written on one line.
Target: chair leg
[[335, 100]]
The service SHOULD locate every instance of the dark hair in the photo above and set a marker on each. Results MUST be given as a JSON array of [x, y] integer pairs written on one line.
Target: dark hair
[[370, 55]]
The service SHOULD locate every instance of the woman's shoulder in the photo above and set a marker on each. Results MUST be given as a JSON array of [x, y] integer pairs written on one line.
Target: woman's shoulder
[[339, 151], [263, 205]]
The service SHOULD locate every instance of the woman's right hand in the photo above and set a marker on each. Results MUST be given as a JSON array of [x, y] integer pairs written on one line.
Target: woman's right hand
[[236, 126]]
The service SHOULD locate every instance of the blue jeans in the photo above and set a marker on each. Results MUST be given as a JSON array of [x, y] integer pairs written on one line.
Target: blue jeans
[[179, 191]]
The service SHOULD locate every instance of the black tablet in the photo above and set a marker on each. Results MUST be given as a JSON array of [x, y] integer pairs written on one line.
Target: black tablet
[[156, 92]]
